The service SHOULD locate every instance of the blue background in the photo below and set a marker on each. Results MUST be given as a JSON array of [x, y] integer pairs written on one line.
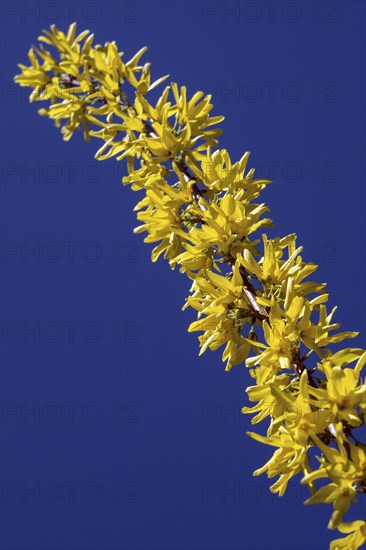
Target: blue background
[[158, 458]]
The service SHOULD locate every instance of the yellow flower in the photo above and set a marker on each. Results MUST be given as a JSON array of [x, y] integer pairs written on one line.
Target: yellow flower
[[275, 271], [345, 466], [287, 461], [227, 306], [354, 540], [219, 174], [201, 211], [268, 403], [280, 342], [343, 391]]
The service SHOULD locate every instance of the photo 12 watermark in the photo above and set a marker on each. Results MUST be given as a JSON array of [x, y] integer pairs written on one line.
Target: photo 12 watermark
[[242, 493], [68, 412], [273, 92], [70, 492], [221, 412], [69, 332], [250, 12], [69, 252], [84, 11]]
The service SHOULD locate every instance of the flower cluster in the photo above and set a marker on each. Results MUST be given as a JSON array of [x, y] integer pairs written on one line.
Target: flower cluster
[[252, 295]]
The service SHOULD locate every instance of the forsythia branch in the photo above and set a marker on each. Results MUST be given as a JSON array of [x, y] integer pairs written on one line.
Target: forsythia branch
[[200, 210]]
